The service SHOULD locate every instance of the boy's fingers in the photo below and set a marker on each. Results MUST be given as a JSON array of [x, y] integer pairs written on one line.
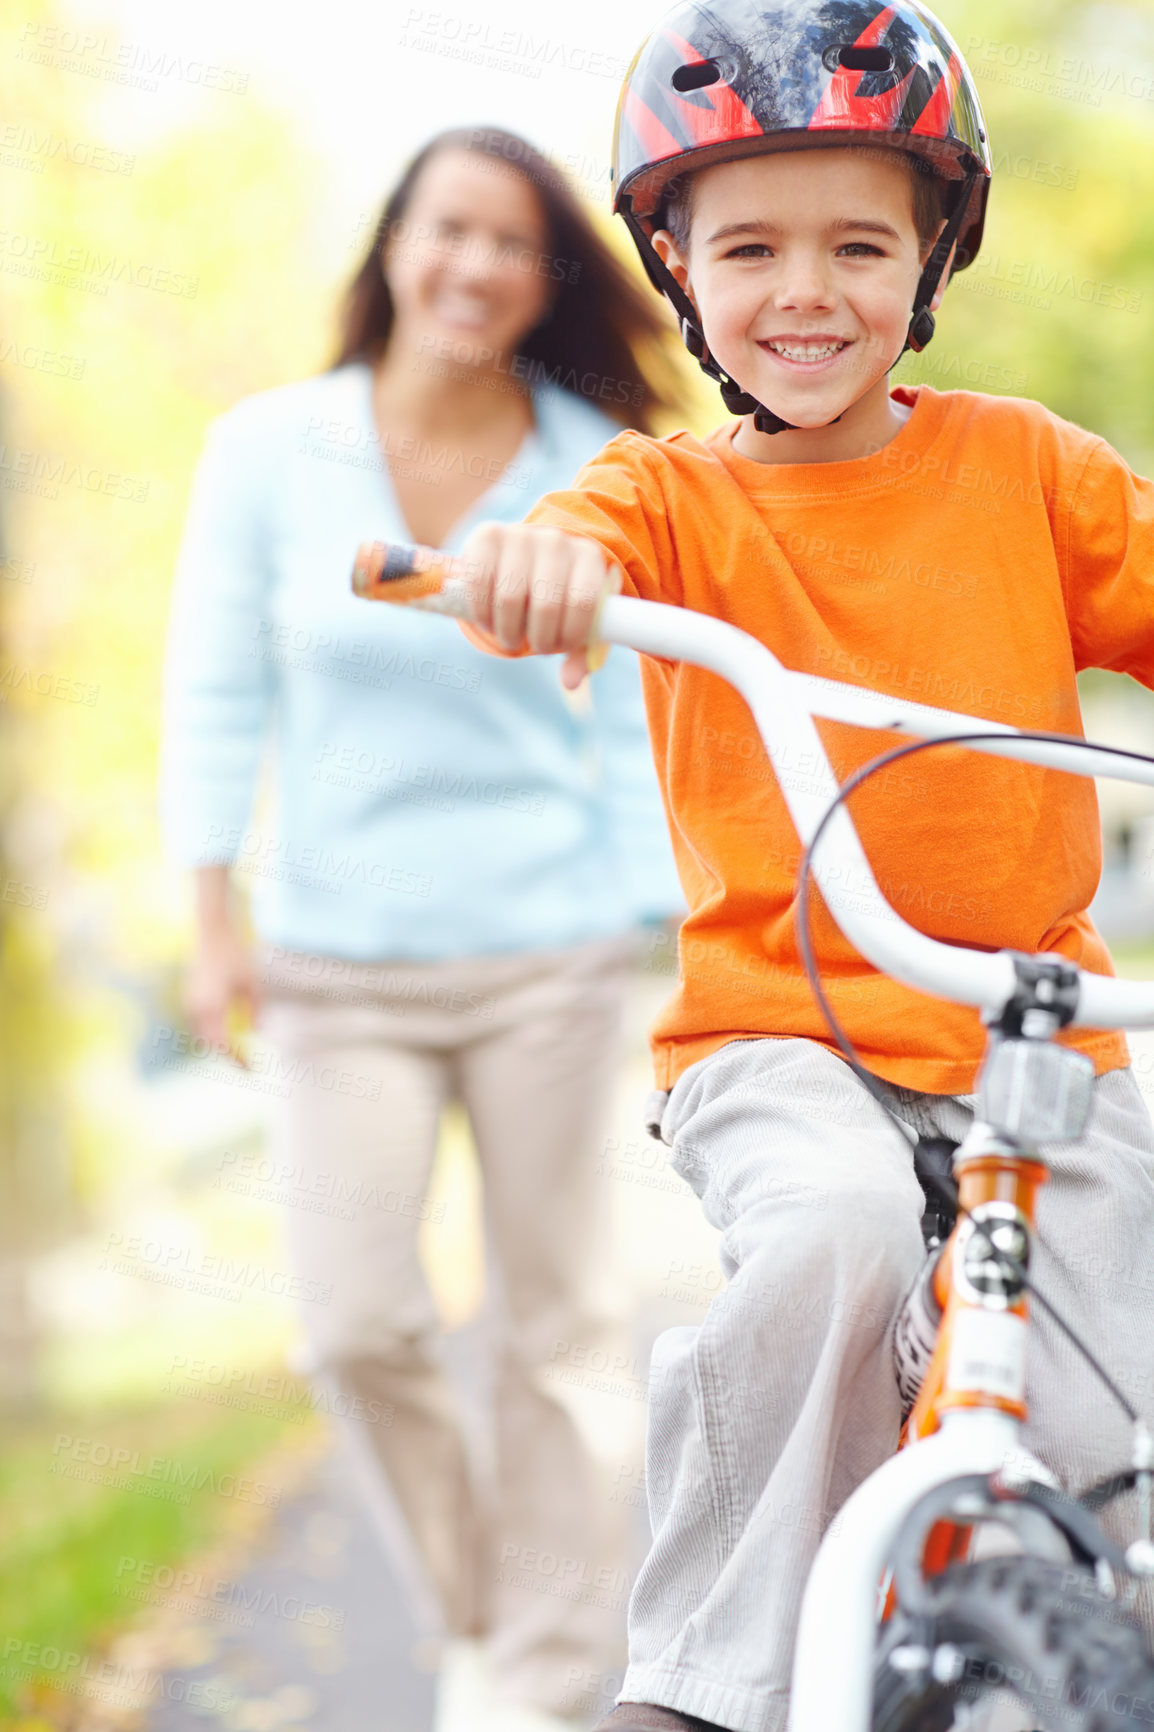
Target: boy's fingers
[[591, 580], [573, 670], [478, 561], [536, 585], [552, 563], [511, 593], [480, 576]]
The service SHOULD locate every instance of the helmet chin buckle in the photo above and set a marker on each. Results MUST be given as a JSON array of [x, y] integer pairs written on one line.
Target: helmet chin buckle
[[694, 339], [921, 330], [767, 422]]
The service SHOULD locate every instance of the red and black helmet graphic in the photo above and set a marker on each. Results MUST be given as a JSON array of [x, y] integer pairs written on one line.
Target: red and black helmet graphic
[[731, 77]]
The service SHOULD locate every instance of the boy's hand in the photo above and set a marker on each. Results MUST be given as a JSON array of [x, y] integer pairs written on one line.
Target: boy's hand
[[541, 587]]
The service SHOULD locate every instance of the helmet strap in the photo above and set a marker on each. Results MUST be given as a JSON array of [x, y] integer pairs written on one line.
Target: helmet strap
[[737, 401], [921, 328]]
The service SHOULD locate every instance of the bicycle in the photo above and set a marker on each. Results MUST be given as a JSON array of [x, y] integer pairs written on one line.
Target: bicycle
[[921, 1628]]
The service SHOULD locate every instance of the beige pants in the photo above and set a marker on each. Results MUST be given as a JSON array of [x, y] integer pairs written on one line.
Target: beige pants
[[529, 1044]]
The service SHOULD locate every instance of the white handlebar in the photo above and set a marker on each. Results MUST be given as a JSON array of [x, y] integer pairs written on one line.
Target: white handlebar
[[783, 705]]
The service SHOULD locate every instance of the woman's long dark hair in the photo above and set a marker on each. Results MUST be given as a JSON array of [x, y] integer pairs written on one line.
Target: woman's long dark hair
[[603, 338]]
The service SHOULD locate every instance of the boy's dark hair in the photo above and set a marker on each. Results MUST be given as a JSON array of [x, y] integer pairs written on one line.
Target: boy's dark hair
[[927, 190]]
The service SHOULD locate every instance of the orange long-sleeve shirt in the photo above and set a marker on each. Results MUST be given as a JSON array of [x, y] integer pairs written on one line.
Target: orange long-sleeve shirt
[[976, 563]]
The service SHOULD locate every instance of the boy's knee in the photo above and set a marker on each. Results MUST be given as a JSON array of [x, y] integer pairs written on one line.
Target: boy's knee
[[861, 1241], [877, 1234]]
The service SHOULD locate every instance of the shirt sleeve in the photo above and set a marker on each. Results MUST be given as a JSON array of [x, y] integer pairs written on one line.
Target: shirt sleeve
[[635, 817], [1110, 568], [617, 501], [218, 686]]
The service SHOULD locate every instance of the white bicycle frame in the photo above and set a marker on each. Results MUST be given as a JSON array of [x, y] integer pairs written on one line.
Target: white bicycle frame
[[839, 1611], [839, 1615]]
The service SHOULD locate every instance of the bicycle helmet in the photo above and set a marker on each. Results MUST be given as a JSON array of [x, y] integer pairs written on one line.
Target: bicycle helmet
[[733, 78]]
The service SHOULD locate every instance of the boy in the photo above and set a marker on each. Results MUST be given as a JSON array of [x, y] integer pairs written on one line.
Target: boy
[[786, 172]]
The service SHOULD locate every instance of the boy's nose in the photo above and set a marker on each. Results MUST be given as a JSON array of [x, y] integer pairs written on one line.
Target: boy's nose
[[802, 283]]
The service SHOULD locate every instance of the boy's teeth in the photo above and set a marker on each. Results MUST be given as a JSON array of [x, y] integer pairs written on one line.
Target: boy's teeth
[[806, 351]]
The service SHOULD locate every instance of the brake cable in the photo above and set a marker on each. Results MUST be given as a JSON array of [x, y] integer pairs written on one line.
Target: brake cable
[[877, 1086]]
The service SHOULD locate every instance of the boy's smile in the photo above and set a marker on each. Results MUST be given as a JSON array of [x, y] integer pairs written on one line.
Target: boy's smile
[[804, 266]]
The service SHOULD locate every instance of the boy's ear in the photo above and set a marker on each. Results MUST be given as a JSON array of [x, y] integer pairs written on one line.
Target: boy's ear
[[666, 249]]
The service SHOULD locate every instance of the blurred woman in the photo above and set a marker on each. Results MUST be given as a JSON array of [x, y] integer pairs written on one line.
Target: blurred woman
[[446, 879]]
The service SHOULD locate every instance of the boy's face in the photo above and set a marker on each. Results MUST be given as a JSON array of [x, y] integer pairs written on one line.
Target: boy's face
[[803, 266]]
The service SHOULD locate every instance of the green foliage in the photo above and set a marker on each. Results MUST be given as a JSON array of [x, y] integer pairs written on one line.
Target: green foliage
[[231, 215], [170, 291], [237, 207], [1059, 305], [69, 1524]]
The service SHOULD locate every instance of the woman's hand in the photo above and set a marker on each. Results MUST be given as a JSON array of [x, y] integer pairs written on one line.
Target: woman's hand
[[538, 587], [222, 980]]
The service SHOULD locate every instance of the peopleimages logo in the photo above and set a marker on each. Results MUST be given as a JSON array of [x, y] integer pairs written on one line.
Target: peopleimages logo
[[45, 684], [1023, 278], [327, 652], [313, 867], [604, 386], [322, 1193], [240, 1385], [139, 64], [281, 1074], [23, 146], [43, 254], [219, 1590], [127, 1463], [110, 1681], [51, 471], [38, 360], [1068, 76], [481, 42], [182, 1266]]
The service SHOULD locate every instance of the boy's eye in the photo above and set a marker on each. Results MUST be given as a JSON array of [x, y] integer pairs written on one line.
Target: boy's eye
[[760, 250]]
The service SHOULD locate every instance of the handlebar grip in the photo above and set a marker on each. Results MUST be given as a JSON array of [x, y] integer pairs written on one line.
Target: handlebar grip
[[397, 572], [425, 577]]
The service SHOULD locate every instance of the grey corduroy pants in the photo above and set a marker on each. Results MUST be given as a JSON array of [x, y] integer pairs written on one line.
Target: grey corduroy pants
[[766, 1416]]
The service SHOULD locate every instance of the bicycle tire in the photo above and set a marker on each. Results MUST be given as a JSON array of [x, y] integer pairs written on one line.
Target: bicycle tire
[[1044, 1630]]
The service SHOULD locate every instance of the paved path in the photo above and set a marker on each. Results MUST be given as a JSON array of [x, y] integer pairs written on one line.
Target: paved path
[[351, 1662], [355, 1670], [330, 1645]]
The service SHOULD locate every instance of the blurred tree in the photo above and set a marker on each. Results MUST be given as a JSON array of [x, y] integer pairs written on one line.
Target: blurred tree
[[1060, 302], [140, 295], [34, 1190], [33, 1187]]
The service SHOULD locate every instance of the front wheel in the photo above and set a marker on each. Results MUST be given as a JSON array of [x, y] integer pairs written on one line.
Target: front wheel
[[1016, 1625]]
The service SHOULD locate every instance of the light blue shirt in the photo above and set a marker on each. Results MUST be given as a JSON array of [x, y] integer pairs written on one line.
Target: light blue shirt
[[422, 799]]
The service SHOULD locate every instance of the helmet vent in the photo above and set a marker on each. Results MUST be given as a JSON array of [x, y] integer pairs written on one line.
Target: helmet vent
[[697, 75], [856, 59]]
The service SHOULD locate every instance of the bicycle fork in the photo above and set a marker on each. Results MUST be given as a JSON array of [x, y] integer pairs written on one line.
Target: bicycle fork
[[966, 1420]]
